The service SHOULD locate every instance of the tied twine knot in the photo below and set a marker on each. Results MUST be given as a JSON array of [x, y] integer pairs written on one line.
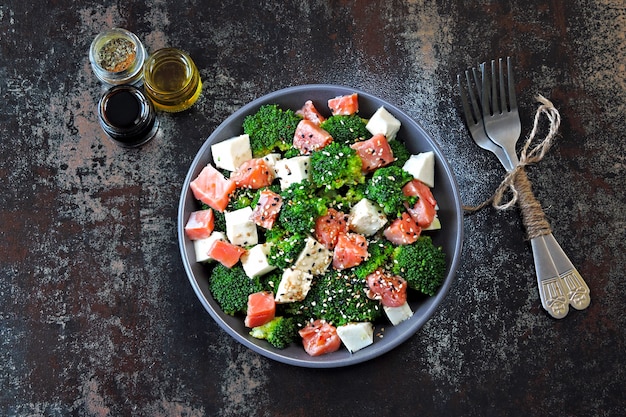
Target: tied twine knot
[[516, 181]]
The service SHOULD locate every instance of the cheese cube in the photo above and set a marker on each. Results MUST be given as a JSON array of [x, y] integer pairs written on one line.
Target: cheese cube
[[255, 261], [314, 258], [366, 218], [383, 122], [422, 167], [231, 153], [356, 336], [294, 286], [201, 246], [397, 315], [292, 170], [241, 231]]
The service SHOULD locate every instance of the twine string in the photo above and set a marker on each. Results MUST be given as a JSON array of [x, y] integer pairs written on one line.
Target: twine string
[[516, 182]]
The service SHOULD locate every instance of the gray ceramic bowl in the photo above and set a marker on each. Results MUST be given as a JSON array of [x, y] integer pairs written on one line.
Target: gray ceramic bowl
[[450, 236]]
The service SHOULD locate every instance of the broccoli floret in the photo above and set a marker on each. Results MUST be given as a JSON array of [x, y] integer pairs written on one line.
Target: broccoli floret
[[231, 287], [353, 195], [380, 252], [220, 221], [400, 153], [270, 128], [343, 198], [270, 281], [285, 247], [421, 264], [336, 165], [346, 129], [297, 216], [348, 303], [240, 198], [280, 332], [292, 152], [385, 188], [301, 207]]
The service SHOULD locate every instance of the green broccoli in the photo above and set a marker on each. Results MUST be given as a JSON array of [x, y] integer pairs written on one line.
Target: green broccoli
[[301, 207], [385, 188], [348, 303], [240, 198], [270, 128], [336, 165], [220, 221], [400, 153], [380, 256], [231, 287], [284, 248], [343, 198], [292, 152], [353, 195], [421, 264], [346, 129], [270, 281], [280, 332]]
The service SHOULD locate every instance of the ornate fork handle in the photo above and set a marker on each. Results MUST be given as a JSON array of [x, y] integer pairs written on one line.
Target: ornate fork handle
[[560, 284], [576, 288]]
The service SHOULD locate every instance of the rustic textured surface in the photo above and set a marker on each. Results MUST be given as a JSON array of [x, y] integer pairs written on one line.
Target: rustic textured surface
[[97, 317]]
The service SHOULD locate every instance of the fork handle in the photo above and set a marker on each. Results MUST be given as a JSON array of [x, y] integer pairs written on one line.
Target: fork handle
[[551, 289], [577, 291], [560, 284], [533, 217]]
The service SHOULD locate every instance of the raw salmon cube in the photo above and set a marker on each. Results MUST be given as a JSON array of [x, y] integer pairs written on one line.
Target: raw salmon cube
[[200, 224], [212, 188]]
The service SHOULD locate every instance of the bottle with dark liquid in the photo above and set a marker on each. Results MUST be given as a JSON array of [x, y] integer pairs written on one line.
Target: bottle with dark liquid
[[127, 116]]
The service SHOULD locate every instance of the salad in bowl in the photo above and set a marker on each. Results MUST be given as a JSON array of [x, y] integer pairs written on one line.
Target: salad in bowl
[[320, 226]]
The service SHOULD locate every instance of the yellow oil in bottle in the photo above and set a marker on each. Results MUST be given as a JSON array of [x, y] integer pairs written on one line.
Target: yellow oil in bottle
[[171, 80]]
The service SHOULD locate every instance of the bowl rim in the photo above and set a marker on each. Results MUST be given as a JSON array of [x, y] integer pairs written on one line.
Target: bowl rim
[[411, 326]]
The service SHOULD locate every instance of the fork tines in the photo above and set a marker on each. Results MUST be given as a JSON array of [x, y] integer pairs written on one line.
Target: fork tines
[[498, 106]]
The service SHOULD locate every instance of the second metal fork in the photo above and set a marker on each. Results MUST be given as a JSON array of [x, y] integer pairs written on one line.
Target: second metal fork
[[560, 284], [501, 120]]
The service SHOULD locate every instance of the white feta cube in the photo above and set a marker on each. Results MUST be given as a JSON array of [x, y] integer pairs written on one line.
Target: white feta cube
[[366, 217], [255, 262], [397, 315], [201, 246], [356, 336], [383, 122], [292, 170], [314, 258], [231, 153], [422, 167], [241, 231], [294, 286]]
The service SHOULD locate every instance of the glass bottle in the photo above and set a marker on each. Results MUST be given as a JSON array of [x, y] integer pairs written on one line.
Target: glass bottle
[[117, 57], [127, 116], [171, 80]]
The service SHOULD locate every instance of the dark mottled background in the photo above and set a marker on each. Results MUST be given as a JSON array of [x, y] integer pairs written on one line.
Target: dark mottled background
[[97, 317]]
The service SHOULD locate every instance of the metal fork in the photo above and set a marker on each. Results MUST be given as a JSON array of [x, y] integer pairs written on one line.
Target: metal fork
[[559, 282], [503, 127], [502, 123]]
